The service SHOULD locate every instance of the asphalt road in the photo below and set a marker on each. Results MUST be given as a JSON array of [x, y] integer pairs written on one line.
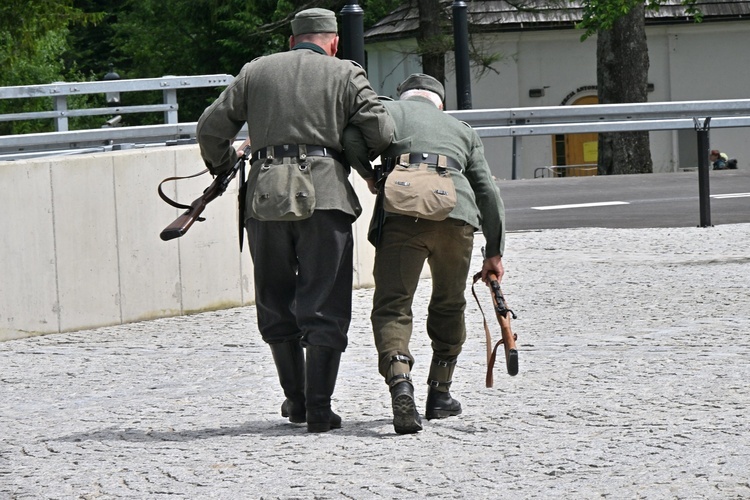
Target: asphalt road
[[625, 201]]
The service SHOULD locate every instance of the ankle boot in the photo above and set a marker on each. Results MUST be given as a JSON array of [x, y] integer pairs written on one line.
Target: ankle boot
[[406, 419], [289, 358], [322, 368], [440, 404]]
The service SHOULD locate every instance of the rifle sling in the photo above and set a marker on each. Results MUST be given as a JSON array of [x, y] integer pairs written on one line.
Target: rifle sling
[[170, 201], [491, 352]]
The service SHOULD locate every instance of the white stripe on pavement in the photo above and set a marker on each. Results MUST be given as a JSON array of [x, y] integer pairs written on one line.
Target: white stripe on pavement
[[582, 205], [730, 195]]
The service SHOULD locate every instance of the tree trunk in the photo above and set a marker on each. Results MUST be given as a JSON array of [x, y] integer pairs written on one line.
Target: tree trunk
[[428, 39], [622, 77]]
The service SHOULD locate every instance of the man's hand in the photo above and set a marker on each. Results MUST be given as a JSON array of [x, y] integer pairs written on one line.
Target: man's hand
[[371, 185], [493, 265], [241, 148]]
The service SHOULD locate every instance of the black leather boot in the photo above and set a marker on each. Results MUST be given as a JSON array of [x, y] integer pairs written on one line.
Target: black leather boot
[[322, 368], [406, 419], [289, 358], [440, 404]]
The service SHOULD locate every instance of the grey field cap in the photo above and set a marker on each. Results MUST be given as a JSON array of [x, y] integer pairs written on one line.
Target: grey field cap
[[423, 82], [314, 21]]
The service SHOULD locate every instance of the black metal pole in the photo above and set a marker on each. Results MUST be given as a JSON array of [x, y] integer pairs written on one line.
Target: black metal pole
[[461, 42], [704, 191], [353, 32]]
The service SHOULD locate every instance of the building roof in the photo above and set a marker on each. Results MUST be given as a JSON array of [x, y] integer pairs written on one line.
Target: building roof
[[518, 15]]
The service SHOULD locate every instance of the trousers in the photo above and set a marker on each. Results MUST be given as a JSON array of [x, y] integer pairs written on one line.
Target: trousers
[[404, 246], [303, 278]]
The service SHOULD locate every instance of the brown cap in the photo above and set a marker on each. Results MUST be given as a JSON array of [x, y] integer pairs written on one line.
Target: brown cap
[[314, 21], [422, 82], [714, 152]]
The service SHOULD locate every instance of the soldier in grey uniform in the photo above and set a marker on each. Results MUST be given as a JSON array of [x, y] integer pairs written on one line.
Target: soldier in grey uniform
[[300, 205], [427, 137]]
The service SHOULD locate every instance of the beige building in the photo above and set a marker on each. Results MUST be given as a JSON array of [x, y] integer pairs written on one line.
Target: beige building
[[543, 62]]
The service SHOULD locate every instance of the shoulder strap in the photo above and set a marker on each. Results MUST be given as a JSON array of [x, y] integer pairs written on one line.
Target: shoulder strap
[[170, 201]]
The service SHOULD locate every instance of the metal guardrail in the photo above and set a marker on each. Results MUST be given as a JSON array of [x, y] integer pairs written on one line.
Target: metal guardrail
[[108, 135], [551, 120], [697, 115], [509, 122], [61, 91], [506, 122]]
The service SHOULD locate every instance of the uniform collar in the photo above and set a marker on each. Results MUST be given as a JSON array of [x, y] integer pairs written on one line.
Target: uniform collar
[[310, 46]]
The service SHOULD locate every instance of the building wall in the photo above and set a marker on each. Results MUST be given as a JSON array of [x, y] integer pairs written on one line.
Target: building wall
[[690, 61]]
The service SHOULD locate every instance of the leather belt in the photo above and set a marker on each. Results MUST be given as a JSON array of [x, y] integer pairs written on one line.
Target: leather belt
[[432, 159], [291, 150]]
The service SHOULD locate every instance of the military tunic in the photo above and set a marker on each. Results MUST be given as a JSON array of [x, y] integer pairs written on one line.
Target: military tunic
[[303, 269], [446, 245], [301, 96], [430, 130]]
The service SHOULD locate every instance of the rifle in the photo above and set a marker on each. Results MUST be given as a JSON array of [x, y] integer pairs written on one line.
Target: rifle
[[503, 314], [381, 172], [193, 211]]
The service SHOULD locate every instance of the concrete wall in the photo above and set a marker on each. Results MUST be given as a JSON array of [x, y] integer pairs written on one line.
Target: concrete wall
[[80, 243], [690, 61]]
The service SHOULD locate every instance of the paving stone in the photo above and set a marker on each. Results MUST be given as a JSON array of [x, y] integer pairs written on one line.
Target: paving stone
[[634, 350]]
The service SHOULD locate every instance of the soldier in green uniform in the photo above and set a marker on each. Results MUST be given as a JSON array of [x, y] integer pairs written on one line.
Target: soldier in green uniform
[[300, 205], [445, 149]]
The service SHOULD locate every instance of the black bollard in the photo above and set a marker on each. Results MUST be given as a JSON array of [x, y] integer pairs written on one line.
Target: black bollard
[[353, 33], [704, 192], [461, 42]]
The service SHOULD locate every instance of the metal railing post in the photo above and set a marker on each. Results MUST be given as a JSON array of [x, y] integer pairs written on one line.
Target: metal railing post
[[61, 120], [516, 146], [170, 97]]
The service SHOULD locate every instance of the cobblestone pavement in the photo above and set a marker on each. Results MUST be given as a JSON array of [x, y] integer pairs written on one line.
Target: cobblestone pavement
[[634, 367]]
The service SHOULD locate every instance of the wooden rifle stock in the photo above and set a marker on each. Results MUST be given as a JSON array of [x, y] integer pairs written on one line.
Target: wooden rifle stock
[[182, 223], [193, 213], [508, 338], [503, 316]]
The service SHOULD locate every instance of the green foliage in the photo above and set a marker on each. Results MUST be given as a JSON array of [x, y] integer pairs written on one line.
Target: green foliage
[[599, 15], [91, 46], [484, 60], [25, 23], [42, 41], [375, 10], [40, 65], [153, 38], [33, 36]]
